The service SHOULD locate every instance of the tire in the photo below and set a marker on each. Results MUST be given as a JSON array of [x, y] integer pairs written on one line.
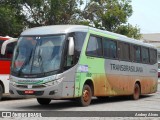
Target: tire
[[43, 101], [136, 92], [86, 97], [1, 91]]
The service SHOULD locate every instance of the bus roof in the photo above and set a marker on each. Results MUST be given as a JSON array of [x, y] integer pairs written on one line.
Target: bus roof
[[63, 29], [55, 29]]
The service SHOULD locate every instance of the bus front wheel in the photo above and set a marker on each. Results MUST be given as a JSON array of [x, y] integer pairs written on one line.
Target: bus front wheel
[[1, 91], [86, 97], [136, 92], [43, 101]]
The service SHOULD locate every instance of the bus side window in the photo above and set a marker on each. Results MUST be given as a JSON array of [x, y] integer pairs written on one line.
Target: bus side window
[[153, 56], [9, 50], [109, 48], [68, 62], [132, 54], [94, 47], [137, 53], [124, 51], [79, 38], [1, 42], [145, 55]]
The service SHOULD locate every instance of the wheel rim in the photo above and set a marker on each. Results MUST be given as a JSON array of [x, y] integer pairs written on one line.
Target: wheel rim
[[86, 95]]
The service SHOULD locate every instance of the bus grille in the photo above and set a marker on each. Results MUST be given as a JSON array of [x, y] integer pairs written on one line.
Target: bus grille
[[38, 86], [21, 86], [34, 86]]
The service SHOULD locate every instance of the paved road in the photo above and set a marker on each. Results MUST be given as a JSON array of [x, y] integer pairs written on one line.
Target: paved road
[[146, 103]]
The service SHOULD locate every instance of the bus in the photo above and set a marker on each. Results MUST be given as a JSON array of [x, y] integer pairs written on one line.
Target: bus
[[5, 60], [79, 62]]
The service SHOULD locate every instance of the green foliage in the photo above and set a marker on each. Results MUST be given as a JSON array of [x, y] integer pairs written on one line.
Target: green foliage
[[46, 12], [111, 15], [10, 24], [130, 31]]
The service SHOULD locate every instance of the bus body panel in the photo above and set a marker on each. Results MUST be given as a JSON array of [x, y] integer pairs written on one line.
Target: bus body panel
[[68, 88], [5, 61], [4, 74], [123, 75], [5, 66]]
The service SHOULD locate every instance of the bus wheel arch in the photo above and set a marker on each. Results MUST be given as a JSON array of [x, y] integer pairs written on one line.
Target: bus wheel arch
[[87, 93], [1, 83], [136, 91], [1, 89], [90, 83]]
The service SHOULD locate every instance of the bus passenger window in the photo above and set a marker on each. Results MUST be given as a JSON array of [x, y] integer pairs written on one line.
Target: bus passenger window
[[137, 52], [153, 56], [124, 51], [94, 47], [8, 52], [79, 38], [145, 55], [110, 48]]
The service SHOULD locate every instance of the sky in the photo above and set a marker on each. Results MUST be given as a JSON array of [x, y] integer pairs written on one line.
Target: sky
[[146, 15]]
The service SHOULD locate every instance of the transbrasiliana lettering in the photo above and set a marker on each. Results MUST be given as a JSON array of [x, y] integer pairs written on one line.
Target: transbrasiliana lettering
[[126, 68]]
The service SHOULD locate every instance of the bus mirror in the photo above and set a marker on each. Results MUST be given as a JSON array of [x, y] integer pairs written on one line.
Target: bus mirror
[[4, 45], [71, 46]]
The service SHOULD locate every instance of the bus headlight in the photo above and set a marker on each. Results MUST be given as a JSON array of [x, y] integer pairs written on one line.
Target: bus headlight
[[49, 83], [54, 82], [12, 83]]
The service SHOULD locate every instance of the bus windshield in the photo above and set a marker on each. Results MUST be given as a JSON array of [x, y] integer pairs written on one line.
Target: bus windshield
[[35, 55]]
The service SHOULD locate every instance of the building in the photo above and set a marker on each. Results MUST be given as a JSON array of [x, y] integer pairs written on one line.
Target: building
[[154, 39]]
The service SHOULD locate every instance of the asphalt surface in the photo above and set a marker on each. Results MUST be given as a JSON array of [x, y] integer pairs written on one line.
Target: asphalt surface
[[149, 102]]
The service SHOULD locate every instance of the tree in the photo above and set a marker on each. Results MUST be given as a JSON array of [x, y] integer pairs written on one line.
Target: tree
[[130, 31], [10, 24], [46, 12], [111, 15]]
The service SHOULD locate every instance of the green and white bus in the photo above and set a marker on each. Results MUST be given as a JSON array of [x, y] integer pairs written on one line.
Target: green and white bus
[[74, 61]]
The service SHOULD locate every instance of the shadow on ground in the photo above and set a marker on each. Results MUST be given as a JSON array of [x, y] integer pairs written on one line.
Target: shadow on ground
[[62, 104], [8, 98]]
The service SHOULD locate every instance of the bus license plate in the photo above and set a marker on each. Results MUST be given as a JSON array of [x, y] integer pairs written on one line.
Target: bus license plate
[[28, 91]]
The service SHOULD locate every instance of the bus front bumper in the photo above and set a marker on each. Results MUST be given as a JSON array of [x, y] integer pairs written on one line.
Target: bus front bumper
[[52, 92]]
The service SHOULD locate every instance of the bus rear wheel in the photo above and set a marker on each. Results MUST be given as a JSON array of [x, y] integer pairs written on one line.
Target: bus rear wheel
[[86, 97], [1, 91], [137, 92], [43, 101]]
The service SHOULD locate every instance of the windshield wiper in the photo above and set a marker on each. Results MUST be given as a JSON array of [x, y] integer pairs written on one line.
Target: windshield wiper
[[40, 61], [24, 64]]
